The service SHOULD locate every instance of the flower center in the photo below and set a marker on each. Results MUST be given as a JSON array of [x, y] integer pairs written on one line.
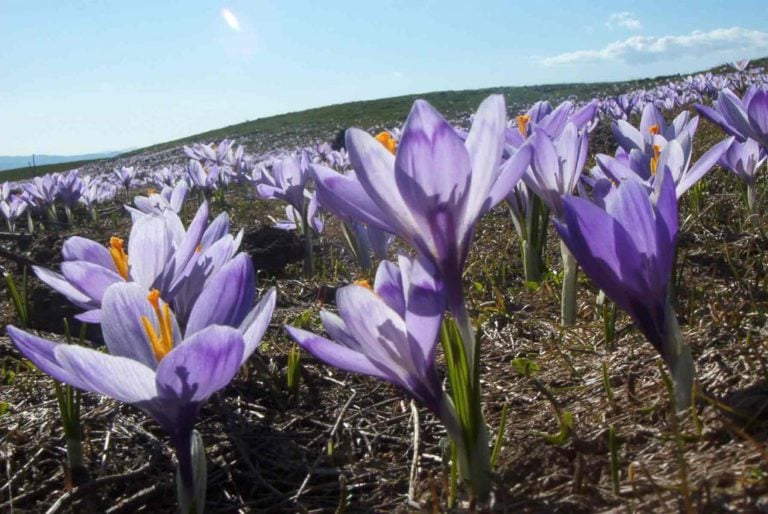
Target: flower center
[[119, 257], [522, 124], [163, 343], [655, 159], [654, 129], [363, 283], [386, 139]]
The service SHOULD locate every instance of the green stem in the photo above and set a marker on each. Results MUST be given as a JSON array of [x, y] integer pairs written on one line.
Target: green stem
[[678, 358], [307, 232], [570, 286]]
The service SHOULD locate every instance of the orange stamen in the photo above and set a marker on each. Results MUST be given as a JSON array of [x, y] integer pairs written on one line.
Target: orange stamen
[[655, 159], [363, 283], [119, 257], [162, 344], [522, 124], [386, 139], [654, 129]]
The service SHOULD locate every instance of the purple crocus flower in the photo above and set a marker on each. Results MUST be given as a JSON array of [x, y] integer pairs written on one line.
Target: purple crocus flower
[[43, 189], [160, 255], [556, 165], [286, 182], [674, 156], [743, 160], [293, 219], [653, 130], [169, 198], [627, 249], [125, 175], [542, 117], [745, 118], [70, 189], [433, 191], [740, 65], [155, 366], [11, 209], [389, 332], [205, 177]]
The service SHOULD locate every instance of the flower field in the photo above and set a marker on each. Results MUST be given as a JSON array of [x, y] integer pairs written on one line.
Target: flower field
[[552, 307]]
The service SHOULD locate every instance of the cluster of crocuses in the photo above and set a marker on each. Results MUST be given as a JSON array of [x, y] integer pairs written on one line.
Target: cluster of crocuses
[[175, 304], [432, 191], [176, 309], [746, 119]]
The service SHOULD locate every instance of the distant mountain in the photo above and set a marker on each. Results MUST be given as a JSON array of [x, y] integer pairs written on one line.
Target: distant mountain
[[9, 162]]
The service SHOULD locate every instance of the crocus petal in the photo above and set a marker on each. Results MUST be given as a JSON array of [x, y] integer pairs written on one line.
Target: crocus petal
[[425, 304], [335, 354], [148, 249], [123, 307], [485, 144], [511, 172], [256, 322], [218, 228], [91, 279], [375, 171], [627, 136], [631, 208], [733, 110], [227, 297], [594, 238], [757, 110], [204, 364], [62, 285], [379, 330], [82, 249], [42, 353], [718, 119], [121, 378], [91, 316], [388, 285], [345, 196], [666, 228], [432, 164], [703, 165]]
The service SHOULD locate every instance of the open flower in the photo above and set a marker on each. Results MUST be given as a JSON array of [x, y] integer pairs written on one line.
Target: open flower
[[556, 165], [160, 254], [389, 332], [745, 118], [433, 191], [155, 366]]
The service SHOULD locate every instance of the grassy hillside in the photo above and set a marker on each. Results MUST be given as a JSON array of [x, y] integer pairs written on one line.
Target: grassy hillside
[[323, 123], [29, 172]]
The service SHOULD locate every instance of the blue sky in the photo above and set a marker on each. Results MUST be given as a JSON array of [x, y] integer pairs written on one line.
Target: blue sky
[[86, 76]]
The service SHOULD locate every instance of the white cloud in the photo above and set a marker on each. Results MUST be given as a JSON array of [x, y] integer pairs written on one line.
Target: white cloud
[[733, 43], [623, 20], [230, 19]]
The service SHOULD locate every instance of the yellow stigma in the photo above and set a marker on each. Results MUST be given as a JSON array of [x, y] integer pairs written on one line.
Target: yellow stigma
[[163, 343], [522, 124], [386, 139], [655, 159], [363, 283], [119, 257], [199, 248], [151, 191], [654, 129]]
